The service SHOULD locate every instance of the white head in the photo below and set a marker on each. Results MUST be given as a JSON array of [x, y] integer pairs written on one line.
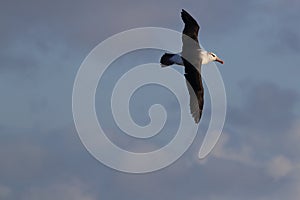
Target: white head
[[214, 57]]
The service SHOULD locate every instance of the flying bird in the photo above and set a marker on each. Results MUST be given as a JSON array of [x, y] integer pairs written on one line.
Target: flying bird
[[191, 57]]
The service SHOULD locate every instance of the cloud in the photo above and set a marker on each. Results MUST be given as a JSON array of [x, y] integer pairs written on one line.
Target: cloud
[[68, 190], [224, 151], [277, 20], [279, 167], [20, 159], [44, 43], [259, 148], [267, 106], [5, 192]]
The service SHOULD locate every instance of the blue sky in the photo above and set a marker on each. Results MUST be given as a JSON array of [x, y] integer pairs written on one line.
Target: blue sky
[[42, 46]]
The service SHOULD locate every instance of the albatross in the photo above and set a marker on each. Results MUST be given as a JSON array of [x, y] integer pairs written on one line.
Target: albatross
[[192, 57]]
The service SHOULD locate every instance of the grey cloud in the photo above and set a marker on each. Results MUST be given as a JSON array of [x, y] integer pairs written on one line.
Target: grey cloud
[[290, 39], [64, 157], [264, 146], [278, 28], [267, 107], [41, 154], [83, 25], [5, 192], [264, 123], [71, 189]]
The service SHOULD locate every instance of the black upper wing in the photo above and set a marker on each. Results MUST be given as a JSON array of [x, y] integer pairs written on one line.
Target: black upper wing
[[191, 27], [195, 88]]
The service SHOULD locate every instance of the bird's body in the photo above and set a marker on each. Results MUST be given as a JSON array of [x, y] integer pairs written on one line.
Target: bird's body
[[203, 56], [192, 58]]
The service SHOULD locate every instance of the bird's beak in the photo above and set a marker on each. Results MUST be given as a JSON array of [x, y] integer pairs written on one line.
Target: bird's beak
[[220, 61]]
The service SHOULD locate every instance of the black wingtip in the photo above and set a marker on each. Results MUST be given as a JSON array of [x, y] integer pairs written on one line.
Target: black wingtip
[[183, 12], [186, 17]]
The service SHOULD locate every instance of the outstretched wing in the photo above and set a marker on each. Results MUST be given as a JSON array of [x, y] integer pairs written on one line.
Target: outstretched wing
[[196, 91], [191, 27], [192, 63]]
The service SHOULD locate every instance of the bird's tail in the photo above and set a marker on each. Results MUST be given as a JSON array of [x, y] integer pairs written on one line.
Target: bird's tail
[[166, 60]]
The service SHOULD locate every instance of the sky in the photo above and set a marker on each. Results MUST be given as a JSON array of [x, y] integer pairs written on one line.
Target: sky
[[43, 44]]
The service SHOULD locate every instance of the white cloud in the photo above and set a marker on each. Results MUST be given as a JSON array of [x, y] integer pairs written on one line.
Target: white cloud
[[279, 167], [242, 155]]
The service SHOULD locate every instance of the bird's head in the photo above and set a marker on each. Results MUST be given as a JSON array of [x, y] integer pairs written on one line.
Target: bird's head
[[214, 57]]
